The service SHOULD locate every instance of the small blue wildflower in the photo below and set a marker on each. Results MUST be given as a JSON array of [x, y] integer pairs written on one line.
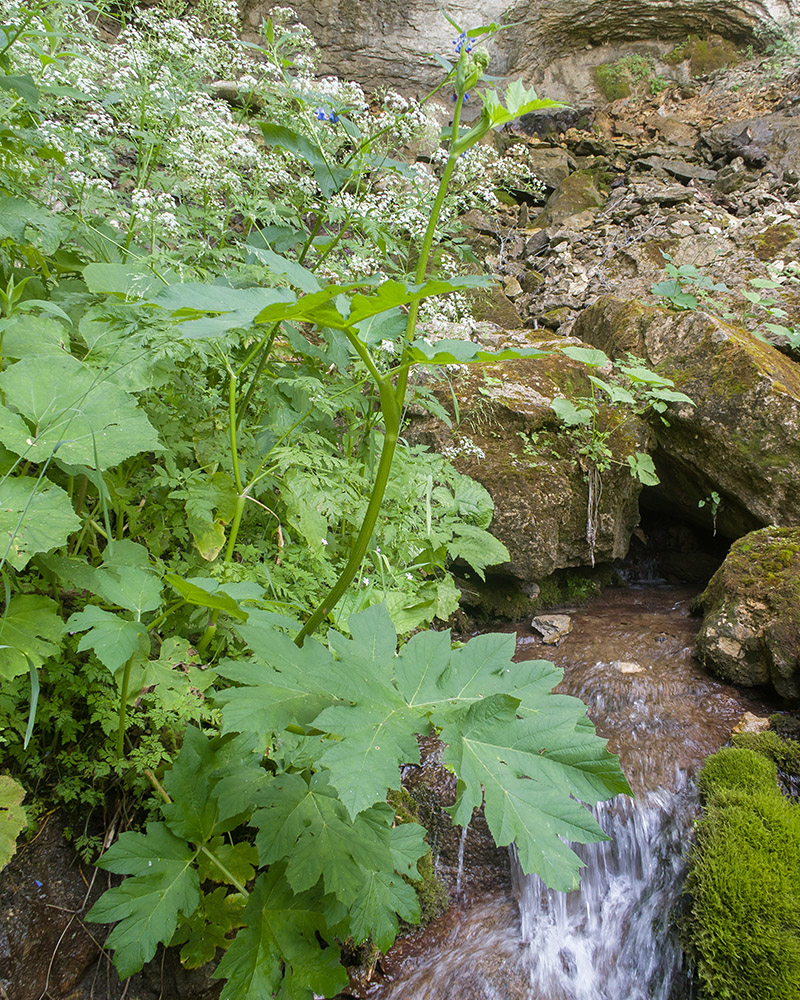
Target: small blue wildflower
[[462, 41], [455, 97], [37, 883], [322, 115]]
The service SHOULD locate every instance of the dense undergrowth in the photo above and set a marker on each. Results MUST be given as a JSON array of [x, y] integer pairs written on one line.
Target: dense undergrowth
[[210, 312]]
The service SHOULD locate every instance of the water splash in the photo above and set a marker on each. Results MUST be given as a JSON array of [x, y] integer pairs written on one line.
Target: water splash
[[629, 657], [461, 846], [614, 938]]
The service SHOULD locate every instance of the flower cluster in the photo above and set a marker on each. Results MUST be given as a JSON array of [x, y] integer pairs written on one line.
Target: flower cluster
[[463, 42]]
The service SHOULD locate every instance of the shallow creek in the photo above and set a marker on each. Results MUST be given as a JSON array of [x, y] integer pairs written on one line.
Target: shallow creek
[[629, 657]]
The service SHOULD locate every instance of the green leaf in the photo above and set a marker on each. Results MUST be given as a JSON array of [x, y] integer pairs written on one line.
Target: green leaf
[[615, 392], [30, 628], [330, 177], [477, 547], [642, 468], [114, 639], [459, 352], [22, 85], [305, 824], [374, 913], [35, 516], [497, 768], [278, 952], [33, 336], [586, 355], [193, 812], [136, 281], [205, 592], [13, 818], [163, 886], [532, 753], [568, 412], [297, 275], [65, 408], [219, 913]]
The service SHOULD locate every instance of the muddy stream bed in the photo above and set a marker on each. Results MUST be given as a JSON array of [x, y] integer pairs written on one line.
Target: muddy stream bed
[[629, 657]]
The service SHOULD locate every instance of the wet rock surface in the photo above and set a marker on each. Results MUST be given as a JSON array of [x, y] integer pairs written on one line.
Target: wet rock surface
[[751, 624], [742, 438], [510, 440]]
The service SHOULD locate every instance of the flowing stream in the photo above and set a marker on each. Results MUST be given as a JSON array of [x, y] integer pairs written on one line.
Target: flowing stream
[[629, 657]]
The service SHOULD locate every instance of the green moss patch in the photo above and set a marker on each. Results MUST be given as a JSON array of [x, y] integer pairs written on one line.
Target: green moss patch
[[744, 883], [774, 240]]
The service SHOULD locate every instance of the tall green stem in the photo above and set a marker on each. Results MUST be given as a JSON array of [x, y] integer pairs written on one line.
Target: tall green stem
[[391, 399], [123, 709]]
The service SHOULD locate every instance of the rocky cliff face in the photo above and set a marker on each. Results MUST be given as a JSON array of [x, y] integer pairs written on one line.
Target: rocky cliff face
[[553, 44]]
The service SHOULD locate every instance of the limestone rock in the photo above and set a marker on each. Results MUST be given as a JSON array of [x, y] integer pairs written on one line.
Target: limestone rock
[[742, 439], [509, 439], [751, 624], [750, 723], [576, 195], [555, 43], [552, 628]]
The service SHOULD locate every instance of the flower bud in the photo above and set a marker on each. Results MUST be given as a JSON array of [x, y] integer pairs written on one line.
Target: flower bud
[[481, 59]]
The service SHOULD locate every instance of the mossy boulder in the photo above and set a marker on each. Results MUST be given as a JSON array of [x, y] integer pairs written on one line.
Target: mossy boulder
[[505, 435], [743, 927], [576, 197], [742, 438], [751, 623]]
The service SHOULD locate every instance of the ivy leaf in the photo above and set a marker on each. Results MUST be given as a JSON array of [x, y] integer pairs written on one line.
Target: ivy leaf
[[31, 630], [65, 408], [306, 824], [374, 913], [163, 886], [278, 951], [35, 516], [13, 818], [114, 639]]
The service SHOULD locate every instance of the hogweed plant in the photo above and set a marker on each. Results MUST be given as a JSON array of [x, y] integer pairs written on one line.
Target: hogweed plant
[[204, 371]]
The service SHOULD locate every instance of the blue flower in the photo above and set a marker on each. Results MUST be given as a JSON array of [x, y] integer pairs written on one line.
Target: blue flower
[[463, 40], [455, 97], [322, 115]]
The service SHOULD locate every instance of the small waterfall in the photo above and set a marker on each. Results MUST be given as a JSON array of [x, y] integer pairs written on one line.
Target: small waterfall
[[613, 939], [629, 658]]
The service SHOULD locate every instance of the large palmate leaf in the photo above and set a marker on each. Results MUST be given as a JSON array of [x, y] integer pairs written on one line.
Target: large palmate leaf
[[525, 753], [35, 516], [163, 886], [64, 408], [303, 822], [278, 952], [30, 632]]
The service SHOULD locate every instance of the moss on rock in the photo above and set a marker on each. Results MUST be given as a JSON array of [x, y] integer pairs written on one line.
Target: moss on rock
[[751, 624], [744, 882]]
